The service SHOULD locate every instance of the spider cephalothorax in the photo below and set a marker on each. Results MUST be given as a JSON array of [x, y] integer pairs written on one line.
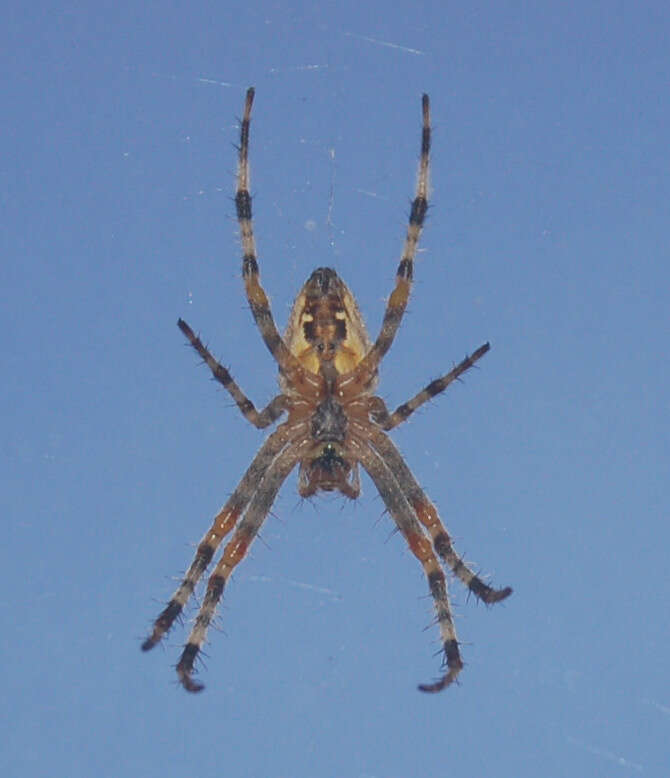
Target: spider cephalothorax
[[328, 370]]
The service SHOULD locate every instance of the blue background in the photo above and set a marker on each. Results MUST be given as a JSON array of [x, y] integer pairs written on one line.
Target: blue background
[[547, 235]]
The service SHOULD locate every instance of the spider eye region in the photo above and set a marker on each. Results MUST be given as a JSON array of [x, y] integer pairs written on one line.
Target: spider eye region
[[327, 470]]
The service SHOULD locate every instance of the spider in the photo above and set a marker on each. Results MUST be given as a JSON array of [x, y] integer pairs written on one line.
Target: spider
[[327, 376]]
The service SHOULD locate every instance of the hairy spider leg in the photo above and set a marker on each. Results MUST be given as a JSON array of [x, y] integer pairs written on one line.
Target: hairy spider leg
[[258, 300], [262, 419], [223, 523], [388, 421], [405, 518], [233, 554], [397, 302], [429, 518]]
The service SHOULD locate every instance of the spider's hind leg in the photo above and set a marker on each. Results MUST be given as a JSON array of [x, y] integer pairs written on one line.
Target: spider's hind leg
[[427, 514], [223, 523], [236, 549], [452, 655], [403, 515]]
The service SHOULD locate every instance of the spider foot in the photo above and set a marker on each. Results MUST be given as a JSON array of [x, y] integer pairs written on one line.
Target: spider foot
[[454, 667], [185, 668], [171, 612], [446, 680], [490, 595], [487, 594]]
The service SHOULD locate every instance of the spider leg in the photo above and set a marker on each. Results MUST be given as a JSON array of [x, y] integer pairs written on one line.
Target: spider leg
[[234, 552], [259, 419], [388, 421], [258, 300], [223, 523], [428, 516], [397, 302], [406, 520]]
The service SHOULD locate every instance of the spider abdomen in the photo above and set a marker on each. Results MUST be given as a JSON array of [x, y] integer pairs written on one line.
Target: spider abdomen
[[325, 328]]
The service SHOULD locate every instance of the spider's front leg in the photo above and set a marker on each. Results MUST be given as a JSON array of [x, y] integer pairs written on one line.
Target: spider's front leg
[[397, 302], [258, 299]]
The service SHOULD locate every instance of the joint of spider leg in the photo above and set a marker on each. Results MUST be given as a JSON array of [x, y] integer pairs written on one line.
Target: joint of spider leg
[[437, 584], [246, 406], [434, 388], [446, 650], [418, 212], [444, 547], [392, 319], [185, 667], [406, 269], [272, 340], [452, 654], [243, 204]]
